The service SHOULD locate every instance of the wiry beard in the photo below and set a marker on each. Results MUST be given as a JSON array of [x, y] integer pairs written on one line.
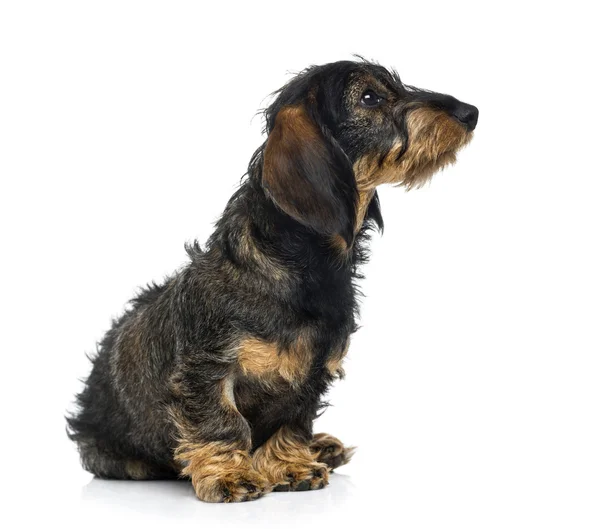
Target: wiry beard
[[434, 140]]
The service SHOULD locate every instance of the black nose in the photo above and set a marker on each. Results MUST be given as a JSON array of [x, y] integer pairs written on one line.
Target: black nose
[[467, 115]]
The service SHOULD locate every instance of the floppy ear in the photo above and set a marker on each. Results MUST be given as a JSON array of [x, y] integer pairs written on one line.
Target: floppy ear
[[308, 175]]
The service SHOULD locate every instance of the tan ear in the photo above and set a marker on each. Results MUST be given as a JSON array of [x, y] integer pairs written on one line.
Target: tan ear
[[308, 176]]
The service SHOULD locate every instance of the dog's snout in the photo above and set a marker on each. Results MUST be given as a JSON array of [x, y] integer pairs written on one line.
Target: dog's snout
[[466, 114]]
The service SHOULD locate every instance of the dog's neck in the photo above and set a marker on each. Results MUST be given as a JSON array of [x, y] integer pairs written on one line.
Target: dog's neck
[[255, 230]]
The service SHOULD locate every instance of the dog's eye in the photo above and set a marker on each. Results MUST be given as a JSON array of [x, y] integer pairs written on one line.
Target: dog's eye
[[370, 99]]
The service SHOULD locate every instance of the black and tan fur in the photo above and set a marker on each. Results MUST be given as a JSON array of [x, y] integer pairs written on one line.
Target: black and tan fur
[[218, 373]]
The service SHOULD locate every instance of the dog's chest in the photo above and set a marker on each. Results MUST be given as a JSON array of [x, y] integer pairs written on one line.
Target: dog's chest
[[278, 366], [274, 384]]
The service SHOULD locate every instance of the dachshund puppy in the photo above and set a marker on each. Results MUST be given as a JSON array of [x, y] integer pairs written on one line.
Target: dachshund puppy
[[217, 374]]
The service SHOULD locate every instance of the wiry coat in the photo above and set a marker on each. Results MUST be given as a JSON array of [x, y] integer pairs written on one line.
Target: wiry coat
[[218, 373]]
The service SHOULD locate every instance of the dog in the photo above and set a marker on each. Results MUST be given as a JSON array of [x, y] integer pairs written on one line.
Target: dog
[[217, 374]]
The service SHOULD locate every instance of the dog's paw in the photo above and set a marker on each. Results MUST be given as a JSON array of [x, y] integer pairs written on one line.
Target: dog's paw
[[300, 478], [330, 450], [245, 485], [287, 462]]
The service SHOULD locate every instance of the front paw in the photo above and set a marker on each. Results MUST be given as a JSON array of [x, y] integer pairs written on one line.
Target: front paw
[[330, 450], [301, 478], [231, 486], [286, 461], [221, 472]]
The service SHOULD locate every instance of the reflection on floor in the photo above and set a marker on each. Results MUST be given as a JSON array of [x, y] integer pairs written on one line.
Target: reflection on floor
[[176, 500]]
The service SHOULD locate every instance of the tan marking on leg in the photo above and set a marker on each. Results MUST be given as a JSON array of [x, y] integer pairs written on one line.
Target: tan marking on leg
[[220, 472], [285, 460]]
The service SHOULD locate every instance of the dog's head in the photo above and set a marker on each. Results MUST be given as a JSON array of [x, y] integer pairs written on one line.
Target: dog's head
[[337, 131]]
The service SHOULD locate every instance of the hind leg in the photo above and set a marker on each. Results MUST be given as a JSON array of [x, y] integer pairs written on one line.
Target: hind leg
[[330, 450], [105, 464]]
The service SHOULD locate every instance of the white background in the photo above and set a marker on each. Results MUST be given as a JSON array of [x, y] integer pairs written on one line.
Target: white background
[[472, 388]]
